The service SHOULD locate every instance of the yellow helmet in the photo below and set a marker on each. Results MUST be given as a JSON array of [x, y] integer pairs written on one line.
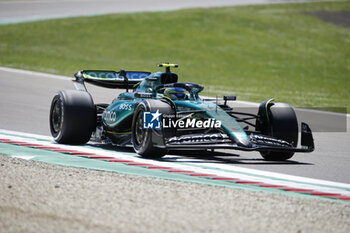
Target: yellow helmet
[[175, 93]]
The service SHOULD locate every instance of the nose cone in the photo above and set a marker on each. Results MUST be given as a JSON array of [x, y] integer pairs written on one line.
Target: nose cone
[[241, 139], [244, 143]]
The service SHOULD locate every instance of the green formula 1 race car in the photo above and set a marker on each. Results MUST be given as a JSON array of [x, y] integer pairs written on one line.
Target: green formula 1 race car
[[162, 114]]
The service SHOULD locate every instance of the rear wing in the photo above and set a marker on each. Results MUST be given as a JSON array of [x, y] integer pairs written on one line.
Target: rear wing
[[109, 79]]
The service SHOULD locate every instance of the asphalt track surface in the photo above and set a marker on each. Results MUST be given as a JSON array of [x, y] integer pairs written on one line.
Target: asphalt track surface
[[31, 10], [25, 99]]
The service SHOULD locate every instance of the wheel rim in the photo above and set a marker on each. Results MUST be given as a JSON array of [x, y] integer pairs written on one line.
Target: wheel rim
[[56, 116], [139, 130]]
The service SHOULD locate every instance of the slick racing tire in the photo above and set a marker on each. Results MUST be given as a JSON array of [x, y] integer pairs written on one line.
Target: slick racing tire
[[149, 143], [283, 125], [72, 117]]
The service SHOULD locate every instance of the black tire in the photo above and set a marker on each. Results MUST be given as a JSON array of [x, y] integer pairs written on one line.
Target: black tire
[[149, 143], [72, 117], [283, 125]]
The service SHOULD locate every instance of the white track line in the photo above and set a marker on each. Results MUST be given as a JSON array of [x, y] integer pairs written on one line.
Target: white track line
[[37, 136], [34, 73]]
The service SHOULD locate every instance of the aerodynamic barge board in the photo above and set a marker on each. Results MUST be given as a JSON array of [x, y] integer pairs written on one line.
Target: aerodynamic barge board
[[92, 156]]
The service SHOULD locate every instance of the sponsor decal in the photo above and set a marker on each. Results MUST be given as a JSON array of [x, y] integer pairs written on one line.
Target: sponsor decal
[[136, 75], [109, 116], [115, 76], [103, 75], [125, 107], [154, 120], [200, 139]]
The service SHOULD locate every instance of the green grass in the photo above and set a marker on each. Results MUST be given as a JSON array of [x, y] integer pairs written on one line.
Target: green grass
[[255, 52]]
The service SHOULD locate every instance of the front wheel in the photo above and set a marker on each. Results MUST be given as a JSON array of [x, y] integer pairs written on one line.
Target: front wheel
[[283, 124], [149, 143]]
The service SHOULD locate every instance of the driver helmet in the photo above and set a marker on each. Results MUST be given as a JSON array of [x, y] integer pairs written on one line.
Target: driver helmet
[[175, 93]]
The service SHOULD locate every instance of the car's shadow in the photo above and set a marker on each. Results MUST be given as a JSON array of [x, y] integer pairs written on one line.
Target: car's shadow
[[193, 156], [225, 157]]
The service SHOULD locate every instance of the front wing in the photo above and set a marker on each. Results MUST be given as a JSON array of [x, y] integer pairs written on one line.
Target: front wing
[[257, 142]]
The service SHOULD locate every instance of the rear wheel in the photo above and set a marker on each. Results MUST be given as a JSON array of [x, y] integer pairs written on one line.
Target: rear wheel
[[72, 117], [283, 124]]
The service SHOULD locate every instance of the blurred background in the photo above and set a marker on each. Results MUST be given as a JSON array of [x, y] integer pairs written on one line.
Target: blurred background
[[294, 52]]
